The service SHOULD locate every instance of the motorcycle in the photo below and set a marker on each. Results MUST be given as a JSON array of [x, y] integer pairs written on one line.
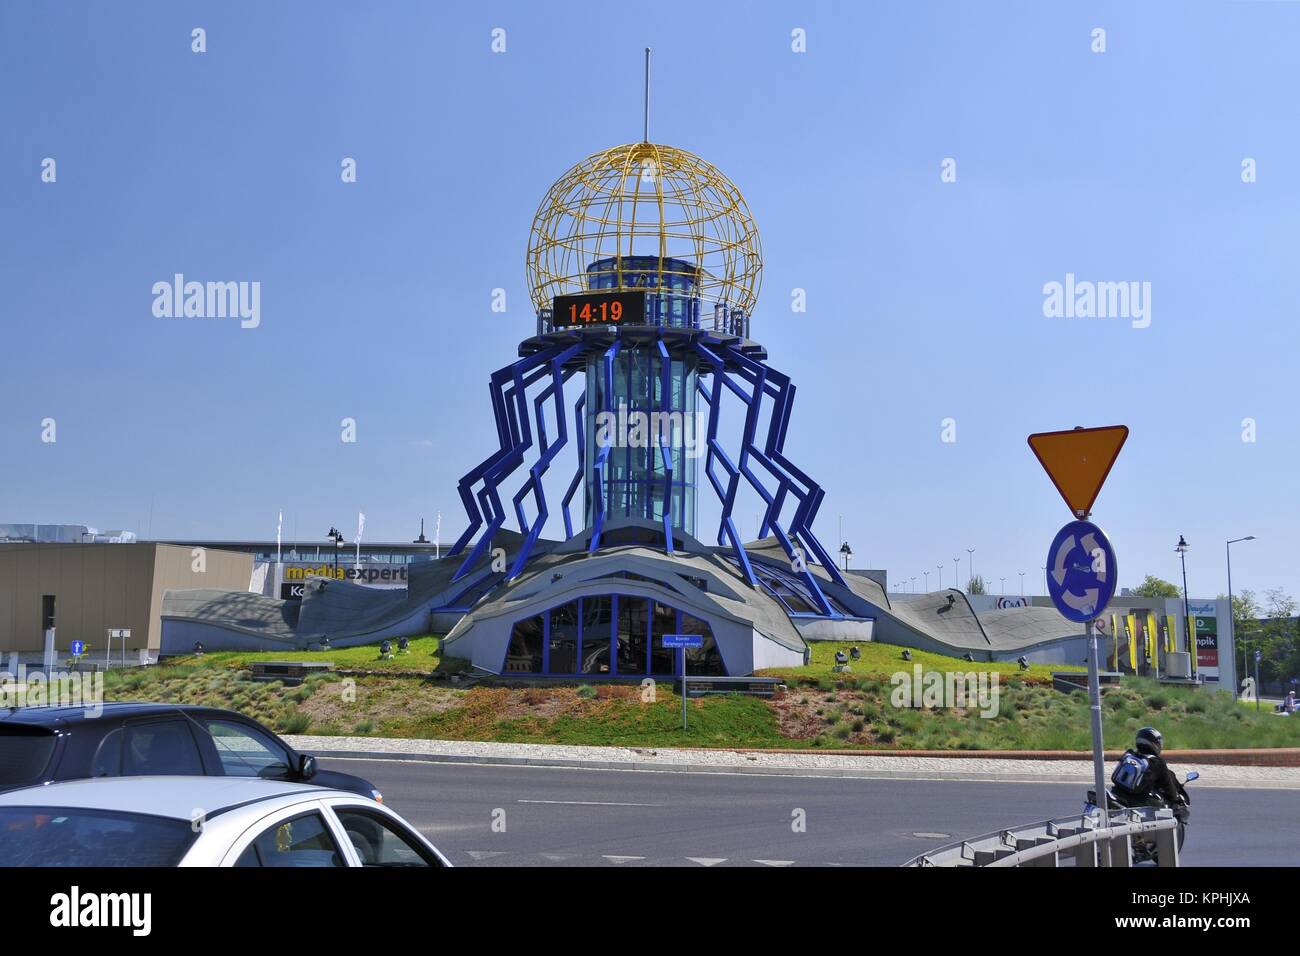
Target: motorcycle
[[1144, 848]]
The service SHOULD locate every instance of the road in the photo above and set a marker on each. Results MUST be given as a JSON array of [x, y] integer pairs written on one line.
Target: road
[[552, 816]]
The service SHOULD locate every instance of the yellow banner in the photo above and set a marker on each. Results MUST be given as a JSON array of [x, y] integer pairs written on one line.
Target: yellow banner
[[1114, 644], [1171, 633], [1153, 637]]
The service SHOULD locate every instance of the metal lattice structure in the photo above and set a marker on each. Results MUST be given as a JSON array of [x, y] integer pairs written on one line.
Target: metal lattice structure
[[645, 199]]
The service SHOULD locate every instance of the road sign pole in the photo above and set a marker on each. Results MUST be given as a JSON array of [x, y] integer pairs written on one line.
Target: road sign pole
[[1098, 750], [681, 653]]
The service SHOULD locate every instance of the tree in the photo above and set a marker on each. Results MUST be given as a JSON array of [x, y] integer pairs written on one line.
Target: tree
[[975, 585], [1154, 587]]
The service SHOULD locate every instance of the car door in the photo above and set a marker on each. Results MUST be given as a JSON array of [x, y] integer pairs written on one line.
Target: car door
[[243, 750], [160, 746], [378, 837], [301, 835]]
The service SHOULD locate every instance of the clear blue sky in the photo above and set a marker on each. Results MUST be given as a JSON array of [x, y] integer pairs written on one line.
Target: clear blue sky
[[924, 298]]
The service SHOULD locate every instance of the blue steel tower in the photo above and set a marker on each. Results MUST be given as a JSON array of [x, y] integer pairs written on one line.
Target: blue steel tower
[[644, 266]]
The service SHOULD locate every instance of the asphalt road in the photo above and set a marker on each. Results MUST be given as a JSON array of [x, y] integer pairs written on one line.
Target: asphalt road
[[494, 815]]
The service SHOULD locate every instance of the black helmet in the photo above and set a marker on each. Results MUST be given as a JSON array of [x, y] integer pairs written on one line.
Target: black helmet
[[1150, 742]]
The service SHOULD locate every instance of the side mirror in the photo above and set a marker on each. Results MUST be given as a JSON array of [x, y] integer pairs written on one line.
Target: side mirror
[[1193, 776], [306, 766]]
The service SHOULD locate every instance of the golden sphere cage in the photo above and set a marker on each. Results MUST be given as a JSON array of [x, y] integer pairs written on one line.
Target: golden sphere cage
[[645, 200]]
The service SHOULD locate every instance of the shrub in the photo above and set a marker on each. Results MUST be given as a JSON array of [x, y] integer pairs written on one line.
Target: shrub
[[587, 692], [294, 723]]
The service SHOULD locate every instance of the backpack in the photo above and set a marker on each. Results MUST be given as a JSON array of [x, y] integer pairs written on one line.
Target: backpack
[[1132, 773]]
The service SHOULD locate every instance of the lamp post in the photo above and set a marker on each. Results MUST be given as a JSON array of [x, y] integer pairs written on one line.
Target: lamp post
[[956, 573], [913, 585], [970, 563], [1232, 617], [927, 581], [846, 552], [1003, 589], [1181, 548], [1022, 583], [940, 567]]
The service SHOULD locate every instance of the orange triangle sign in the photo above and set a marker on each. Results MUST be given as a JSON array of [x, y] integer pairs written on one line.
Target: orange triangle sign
[[1078, 461]]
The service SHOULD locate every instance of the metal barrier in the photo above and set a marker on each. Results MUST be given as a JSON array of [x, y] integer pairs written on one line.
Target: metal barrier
[[1083, 840]]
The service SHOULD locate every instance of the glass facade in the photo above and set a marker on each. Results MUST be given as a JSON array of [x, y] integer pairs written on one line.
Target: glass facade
[[790, 590], [670, 285], [576, 639], [644, 417]]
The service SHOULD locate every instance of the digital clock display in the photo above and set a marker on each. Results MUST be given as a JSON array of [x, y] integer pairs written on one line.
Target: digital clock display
[[598, 308]]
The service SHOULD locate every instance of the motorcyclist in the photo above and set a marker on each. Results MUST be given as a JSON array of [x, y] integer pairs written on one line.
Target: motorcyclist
[[1143, 774]]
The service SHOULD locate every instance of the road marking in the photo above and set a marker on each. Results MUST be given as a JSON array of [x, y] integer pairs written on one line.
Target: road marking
[[707, 860], [621, 859], [928, 835], [485, 854], [776, 862], [558, 857], [591, 803]]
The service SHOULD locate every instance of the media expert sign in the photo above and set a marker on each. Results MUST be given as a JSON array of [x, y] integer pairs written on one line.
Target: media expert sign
[[369, 575]]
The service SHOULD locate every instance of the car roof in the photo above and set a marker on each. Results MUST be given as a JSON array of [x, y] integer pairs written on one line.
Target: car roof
[[118, 710], [176, 797]]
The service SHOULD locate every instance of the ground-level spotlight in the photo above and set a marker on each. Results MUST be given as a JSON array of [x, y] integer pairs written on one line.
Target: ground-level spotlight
[[1023, 662], [907, 655]]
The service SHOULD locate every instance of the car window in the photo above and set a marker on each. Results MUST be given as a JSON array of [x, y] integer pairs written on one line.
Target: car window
[[160, 747], [302, 841], [380, 841], [58, 836], [24, 754], [108, 757], [246, 752]]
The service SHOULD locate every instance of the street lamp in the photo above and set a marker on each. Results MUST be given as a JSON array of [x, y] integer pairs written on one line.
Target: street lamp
[[337, 537], [927, 581], [956, 573], [1003, 589], [970, 563], [846, 552], [1232, 617], [940, 567], [1022, 583], [1181, 548], [913, 585]]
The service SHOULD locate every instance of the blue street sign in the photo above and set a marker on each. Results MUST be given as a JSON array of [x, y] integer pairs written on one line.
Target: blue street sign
[[78, 648], [1081, 571], [683, 640]]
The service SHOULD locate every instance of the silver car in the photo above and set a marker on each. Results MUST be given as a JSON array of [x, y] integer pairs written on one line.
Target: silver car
[[203, 821]]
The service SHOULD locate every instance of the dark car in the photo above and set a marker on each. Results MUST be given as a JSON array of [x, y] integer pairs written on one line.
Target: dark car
[[45, 744]]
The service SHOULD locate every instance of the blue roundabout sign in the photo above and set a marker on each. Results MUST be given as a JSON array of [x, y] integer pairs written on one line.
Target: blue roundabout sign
[[1081, 571]]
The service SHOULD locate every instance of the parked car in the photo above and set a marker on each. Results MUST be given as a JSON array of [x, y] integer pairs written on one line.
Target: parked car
[[46, 744], [203, 821]]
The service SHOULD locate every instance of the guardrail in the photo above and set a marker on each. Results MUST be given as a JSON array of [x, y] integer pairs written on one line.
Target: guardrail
[[1084, 840]]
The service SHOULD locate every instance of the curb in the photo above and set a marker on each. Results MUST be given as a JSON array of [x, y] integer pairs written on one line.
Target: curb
[[1073, 778]]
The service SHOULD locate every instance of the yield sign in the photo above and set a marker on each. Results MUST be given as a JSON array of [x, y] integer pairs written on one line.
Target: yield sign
[[1078, 461]]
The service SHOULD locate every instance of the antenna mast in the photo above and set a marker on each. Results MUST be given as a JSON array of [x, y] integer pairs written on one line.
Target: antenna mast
[[646, 134]]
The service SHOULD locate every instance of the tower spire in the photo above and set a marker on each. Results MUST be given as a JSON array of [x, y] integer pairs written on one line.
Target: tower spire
[[645, 138]]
